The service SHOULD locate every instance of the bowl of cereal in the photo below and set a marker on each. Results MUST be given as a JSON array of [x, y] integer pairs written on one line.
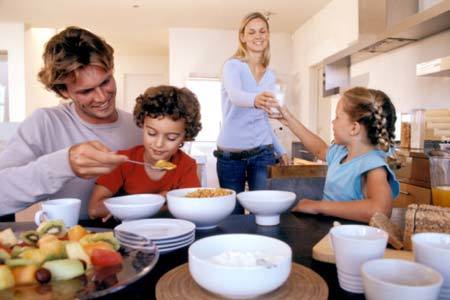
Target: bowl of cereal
[[206, 207], [240, 266]]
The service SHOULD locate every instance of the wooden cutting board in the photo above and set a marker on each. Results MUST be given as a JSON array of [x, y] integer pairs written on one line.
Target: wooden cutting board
[[323, 251], [303, 283]]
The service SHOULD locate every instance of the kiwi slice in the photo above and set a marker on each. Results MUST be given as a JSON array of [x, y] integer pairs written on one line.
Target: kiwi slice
[[101, 236], [55, 227], [30, 237]]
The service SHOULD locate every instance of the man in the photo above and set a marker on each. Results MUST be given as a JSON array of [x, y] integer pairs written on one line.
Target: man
[[57, 152]]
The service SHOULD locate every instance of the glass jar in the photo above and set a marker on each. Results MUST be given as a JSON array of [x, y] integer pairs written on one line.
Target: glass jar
[[405, 130]]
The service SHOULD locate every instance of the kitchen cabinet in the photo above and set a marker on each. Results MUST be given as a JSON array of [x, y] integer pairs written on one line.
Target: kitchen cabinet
[[414, 177], [410, 194]]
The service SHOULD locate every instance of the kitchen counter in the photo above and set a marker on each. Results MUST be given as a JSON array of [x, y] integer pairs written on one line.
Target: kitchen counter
[[300, 231]]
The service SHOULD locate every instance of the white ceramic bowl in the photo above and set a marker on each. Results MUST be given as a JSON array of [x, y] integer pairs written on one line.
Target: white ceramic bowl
[[206, 213], [239, 281], [387, 279], [267, 205], [433, 249], [133, 207]]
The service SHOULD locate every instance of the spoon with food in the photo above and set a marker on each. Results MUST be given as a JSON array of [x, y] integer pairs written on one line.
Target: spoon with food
[[161, 165]]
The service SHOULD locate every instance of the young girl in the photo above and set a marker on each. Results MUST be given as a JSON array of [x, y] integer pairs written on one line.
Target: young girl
[[168, 116], [247, 143], [359, 182]]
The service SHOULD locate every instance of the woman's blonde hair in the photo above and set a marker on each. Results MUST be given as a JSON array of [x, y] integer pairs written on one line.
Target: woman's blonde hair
[[242, 53]]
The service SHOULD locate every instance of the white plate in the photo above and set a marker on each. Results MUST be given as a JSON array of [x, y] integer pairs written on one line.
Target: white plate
[[162, 249], [136, 238], [144, 242], [157, 229]]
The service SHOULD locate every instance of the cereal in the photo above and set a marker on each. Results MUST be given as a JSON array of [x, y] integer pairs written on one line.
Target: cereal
[[207, 193]]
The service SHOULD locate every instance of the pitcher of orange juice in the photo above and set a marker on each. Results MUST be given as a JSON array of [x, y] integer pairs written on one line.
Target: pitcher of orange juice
[[440, 177]]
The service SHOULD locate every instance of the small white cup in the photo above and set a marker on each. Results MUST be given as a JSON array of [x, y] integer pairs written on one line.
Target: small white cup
[[66, 209], [354, 245], [433, 250]]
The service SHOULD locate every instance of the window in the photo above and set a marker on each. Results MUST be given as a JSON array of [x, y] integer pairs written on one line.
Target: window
[[208, 94]]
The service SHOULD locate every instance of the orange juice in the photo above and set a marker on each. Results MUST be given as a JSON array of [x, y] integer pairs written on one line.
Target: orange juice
[[441, 195]]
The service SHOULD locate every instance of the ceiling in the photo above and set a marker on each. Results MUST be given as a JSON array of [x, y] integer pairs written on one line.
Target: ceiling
[[141, 26]]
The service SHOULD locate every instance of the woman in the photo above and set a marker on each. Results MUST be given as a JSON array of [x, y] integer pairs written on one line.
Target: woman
[[247, 143]]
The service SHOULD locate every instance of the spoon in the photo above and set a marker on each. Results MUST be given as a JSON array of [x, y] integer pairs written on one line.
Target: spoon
[[150, 166]]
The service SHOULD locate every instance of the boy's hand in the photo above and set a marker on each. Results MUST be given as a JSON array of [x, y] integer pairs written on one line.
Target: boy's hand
[[91, 159], [307, 206]]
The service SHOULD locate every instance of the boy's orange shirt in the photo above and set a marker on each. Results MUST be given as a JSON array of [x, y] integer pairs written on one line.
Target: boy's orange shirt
[[133, 179]]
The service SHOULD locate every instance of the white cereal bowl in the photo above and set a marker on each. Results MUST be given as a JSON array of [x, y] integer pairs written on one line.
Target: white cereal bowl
[[239, 282], [267, 205], [387, 279], [133, 207], [206, 212]]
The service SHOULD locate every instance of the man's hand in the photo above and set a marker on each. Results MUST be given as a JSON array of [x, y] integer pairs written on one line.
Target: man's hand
[[91, 159]]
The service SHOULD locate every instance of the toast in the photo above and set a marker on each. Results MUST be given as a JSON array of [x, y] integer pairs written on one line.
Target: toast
[[425, 218], [380, 220]]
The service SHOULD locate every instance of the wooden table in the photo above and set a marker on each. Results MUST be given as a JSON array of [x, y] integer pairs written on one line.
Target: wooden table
[[300, 231]]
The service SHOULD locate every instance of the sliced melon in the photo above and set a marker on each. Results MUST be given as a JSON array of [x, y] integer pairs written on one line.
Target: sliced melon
[[63, 269], [107, 237], [7, 238], [6, 277], [75, 251], [25, 275], [76, 233]]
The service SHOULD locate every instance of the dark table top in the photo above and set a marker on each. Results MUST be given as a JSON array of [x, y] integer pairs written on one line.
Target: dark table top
[[300, 231]]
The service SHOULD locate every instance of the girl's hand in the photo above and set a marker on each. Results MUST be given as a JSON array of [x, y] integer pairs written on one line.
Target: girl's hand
[[265, 101], [284, 160], [307, 206]]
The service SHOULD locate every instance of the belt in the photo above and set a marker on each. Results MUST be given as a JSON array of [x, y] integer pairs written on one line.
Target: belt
[[241, 154]]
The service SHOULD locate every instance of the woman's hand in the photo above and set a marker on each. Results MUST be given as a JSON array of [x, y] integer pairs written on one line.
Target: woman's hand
[[265, 101], [307, 206]]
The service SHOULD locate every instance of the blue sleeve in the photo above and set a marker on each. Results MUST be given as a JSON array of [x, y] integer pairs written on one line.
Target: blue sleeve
[[231, 80], [332, 150]]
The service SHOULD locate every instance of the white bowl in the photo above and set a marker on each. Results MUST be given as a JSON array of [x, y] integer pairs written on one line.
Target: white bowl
[[206, 213], [133, 207], [387, 279], [239, 281], [267, 205], [433, 249]]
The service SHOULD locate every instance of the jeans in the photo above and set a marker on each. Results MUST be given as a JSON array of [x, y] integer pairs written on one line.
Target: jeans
[[234, 173]]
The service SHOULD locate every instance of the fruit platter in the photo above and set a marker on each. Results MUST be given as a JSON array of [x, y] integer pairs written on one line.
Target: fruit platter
[[55, 262]]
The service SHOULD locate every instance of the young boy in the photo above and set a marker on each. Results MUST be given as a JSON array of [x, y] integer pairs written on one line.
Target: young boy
[[168, 116]]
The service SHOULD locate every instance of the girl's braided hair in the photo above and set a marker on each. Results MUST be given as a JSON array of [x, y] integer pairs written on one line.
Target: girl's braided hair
[[375, 111], [173, 102]]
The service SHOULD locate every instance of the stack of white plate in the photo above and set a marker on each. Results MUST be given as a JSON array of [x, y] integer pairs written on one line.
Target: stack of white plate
[[166, 234]]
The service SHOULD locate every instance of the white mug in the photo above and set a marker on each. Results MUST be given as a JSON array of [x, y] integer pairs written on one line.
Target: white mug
[[66, 209]]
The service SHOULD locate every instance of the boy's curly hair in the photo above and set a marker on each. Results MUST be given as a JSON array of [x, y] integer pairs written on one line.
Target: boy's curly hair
[[170, 101]]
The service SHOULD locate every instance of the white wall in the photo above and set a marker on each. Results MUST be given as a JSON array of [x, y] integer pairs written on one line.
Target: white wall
[[203, 52], [332, 29], [12, 40], [36, 95], [153, 66], [394, 72]]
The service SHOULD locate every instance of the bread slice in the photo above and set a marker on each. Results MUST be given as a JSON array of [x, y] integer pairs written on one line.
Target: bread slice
[[425, 218], [381, 221]]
